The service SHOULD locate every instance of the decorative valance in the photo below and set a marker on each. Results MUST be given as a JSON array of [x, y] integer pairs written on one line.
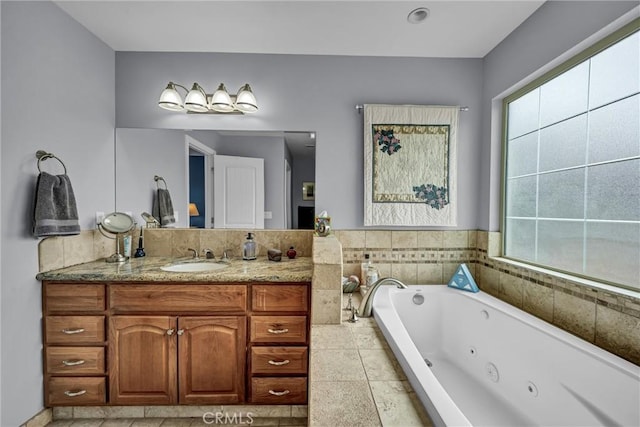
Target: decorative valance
[[410, 165]]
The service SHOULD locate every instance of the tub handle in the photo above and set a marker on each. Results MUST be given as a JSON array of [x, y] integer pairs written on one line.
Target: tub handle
[[279, 393], [279, 362], [278, 331]]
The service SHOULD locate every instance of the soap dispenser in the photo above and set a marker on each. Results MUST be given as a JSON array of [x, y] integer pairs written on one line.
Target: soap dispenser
[[249, 248]]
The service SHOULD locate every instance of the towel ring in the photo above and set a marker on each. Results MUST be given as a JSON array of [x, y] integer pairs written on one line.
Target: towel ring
[[43, 155], [157, 179]]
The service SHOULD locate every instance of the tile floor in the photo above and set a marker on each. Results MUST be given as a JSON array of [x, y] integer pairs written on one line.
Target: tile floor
[[355, 380]]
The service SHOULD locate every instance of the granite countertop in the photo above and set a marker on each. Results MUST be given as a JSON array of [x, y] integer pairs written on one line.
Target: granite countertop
[[147, 269]]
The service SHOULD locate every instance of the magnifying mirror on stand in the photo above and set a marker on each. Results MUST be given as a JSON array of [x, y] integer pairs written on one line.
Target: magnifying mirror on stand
[[116, 223]]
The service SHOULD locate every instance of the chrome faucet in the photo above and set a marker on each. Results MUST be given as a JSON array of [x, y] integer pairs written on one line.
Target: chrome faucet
[[367, 300], [195, 253]]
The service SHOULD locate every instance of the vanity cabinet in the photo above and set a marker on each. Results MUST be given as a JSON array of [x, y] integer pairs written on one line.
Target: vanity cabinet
[[169, 360], [74, 344], [136, 343], [279, 343], [177, 358]]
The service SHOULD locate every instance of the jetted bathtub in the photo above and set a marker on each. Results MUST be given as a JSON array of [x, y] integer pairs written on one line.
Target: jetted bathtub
[[475, 360]]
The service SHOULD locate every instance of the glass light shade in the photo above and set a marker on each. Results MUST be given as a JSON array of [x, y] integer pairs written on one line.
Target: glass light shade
[[196, 100], [221, 100], [246, 100], [170, 99]]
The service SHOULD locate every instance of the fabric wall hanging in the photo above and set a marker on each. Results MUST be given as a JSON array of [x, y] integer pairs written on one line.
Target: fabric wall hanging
[[410, 165]]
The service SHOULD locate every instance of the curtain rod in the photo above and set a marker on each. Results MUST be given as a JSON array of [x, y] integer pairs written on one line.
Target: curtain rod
[[360, 107]]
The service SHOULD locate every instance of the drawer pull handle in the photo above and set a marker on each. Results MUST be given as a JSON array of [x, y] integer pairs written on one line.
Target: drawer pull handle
[[75, 393], [170, 331], [279, 362], [279, 393], [73, 331], [180, 332], [278, 331], [73, 362]]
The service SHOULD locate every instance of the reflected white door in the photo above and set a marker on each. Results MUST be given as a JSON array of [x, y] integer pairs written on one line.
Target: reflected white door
[[238, 192]]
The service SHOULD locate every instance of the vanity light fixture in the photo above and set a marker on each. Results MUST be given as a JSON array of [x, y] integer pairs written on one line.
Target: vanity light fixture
[[198, 101]]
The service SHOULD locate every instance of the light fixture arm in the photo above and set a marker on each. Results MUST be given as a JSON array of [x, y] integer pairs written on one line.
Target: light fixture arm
[[196, 86], [179, 85]]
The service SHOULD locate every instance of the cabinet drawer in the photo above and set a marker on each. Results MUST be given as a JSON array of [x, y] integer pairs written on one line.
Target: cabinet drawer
[[279, 329], [75, 360], [76, 391], [69, 298], [279, 390], [279, 360], [280, 297], [176, 298], [75, 330]]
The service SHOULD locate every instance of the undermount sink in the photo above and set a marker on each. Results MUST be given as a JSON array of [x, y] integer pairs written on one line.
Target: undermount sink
[[193, 267]]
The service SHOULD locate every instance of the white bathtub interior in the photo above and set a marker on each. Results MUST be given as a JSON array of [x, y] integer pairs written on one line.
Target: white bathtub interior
[[501, 366]]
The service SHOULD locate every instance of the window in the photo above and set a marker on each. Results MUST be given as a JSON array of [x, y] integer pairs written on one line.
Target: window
[[572, 165]]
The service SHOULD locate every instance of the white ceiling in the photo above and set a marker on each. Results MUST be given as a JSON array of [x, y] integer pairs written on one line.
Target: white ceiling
[[454, 29]]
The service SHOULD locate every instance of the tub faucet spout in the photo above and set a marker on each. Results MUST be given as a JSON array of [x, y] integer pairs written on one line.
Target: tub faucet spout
[[367, 300]]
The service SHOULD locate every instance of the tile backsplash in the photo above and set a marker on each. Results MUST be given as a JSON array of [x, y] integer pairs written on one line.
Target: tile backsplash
[[91, 245], [174, 242]]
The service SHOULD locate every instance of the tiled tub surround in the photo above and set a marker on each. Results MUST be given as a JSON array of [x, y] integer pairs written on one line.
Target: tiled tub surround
[[608, 319], [411, 256], [326, 290]]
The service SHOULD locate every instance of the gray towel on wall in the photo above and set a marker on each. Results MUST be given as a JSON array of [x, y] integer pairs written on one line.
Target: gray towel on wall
[[163, 208], [55, 211]]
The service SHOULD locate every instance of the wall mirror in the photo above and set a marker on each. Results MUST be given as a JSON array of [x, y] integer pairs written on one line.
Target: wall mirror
[[185, 160]]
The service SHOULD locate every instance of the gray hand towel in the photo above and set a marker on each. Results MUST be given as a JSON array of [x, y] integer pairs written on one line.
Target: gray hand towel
[[55, 212], [163, 208]]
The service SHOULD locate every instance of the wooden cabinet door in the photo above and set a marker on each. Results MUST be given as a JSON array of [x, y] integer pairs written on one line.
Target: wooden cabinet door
[[142, 360], [211, 359]]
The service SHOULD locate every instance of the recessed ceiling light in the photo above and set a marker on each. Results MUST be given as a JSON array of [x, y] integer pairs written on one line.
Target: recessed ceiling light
[[418, 16]]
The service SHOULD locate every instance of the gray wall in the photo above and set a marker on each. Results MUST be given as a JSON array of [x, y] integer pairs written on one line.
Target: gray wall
[[58, 95], [555, 28], [298, 93], [140, 155]]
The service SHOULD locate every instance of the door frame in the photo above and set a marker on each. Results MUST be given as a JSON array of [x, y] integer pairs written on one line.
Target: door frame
[[191, 143]]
